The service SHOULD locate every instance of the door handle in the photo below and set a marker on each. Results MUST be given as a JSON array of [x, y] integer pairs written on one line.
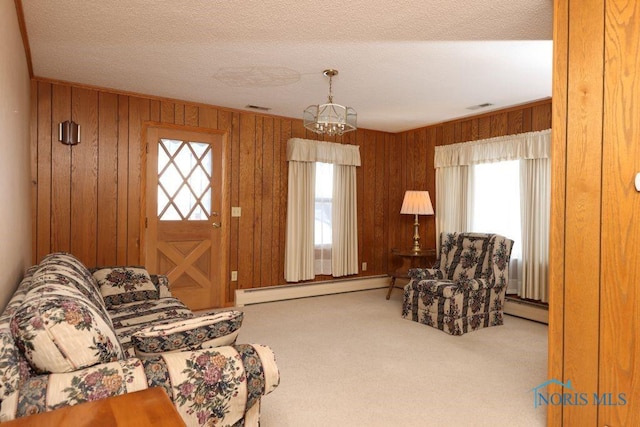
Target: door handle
[[216, 225]]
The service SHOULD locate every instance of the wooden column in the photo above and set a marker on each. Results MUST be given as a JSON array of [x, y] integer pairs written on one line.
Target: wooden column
[[595, 244]]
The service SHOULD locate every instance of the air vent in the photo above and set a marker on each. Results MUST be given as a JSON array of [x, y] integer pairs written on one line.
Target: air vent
[[479, 106], [257, 107]]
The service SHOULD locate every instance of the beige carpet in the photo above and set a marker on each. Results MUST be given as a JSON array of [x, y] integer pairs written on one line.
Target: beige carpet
[[352, 360]]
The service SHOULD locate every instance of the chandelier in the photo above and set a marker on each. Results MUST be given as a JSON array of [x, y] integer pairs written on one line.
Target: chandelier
[[330, 119]]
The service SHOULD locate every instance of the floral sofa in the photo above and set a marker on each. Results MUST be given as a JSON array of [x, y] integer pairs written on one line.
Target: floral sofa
[[69, 335], [466, 289]]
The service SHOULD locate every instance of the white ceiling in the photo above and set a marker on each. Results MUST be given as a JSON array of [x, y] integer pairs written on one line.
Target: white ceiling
[[402, 64]]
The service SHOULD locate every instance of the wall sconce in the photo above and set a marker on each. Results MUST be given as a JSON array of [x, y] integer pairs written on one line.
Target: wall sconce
[[69, 133]]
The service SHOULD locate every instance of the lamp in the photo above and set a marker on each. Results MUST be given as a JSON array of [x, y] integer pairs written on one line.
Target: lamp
[[330, 118], [416, 203]]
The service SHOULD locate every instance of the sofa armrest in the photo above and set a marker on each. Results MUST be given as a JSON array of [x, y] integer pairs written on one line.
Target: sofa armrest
[[215, 385], [162, 284], [425, 273], [42, 393]]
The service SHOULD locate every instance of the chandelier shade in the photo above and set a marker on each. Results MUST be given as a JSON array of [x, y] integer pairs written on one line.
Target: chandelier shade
[[330, 119]]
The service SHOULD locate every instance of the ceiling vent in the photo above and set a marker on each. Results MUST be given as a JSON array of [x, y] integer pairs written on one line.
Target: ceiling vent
[[257, 107], [479, 106]]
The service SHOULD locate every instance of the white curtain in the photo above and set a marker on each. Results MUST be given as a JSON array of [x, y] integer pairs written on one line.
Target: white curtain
[[454, 185], [344, 219], [298, 253], [452, 195], [535, 188], [299, 246]]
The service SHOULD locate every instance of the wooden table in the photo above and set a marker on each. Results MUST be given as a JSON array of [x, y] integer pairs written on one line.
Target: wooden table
[[410, 259], [150, 407]]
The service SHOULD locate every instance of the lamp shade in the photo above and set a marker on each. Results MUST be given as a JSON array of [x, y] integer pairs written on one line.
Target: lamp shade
[[417, 203]]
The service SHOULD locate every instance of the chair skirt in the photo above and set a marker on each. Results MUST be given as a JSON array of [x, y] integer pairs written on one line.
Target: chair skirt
[[453, 308]]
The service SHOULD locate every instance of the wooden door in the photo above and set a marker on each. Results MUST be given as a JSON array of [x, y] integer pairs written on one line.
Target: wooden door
[[184, 222]]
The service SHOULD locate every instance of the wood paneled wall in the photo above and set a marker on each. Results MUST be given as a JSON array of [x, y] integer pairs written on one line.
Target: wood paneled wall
[[416, 149], [87, 197]]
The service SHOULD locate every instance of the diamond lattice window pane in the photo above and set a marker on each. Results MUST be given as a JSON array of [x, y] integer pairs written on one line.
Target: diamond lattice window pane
[[163, 159], [163, 200], [199, 181], [198, 214], [185, 200], [170, 180], [171, 145], [185, 160], [184, 190], [206, 201], [199, 148], [206, 164], [171, 214]]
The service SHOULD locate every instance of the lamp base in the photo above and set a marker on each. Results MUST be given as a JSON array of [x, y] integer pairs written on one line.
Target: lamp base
[[416, 235]]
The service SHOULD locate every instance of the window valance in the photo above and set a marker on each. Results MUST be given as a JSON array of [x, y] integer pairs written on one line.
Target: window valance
[[530, 145], [308, 150]]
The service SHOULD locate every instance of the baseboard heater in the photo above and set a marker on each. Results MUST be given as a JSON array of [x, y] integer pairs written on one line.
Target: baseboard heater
[[526, 310], [308, 289]]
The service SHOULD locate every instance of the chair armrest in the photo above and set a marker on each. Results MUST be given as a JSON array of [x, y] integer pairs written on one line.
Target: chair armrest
[[475, 284], [425, 273], [215, 385]]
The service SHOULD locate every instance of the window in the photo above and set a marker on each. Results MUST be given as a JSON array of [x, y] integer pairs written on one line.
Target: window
[[322, 228], [184, 180], [496, 211], [493, 185]]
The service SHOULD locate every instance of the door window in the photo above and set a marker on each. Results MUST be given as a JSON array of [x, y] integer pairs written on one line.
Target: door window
[[184, 180]]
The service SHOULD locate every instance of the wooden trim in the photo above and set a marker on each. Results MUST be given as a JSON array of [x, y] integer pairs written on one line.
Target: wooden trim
[[24, 34], [558, 199]]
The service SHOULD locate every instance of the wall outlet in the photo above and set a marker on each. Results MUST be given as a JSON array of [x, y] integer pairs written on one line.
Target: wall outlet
[[364, 266], [236, 211], [234, 276]]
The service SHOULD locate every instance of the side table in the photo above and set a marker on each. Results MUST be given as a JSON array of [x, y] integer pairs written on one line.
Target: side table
[[410, 259], [149, 407]]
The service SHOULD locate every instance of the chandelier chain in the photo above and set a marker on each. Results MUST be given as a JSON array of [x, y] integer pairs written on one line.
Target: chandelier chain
[[330, 88]]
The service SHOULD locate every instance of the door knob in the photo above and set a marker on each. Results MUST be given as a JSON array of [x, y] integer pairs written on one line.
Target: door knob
[[216, 225]]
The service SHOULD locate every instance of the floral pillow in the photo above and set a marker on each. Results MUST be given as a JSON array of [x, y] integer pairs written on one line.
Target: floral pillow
[[119, 285], [63, 333], [206, 331]]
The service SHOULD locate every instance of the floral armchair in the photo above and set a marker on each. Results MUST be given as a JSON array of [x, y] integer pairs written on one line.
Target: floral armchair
[[466, 289]]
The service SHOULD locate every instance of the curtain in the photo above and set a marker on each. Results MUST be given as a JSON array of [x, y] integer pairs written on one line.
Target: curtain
[[344, 219], [299, 244], [298, 253], [530, 145], [454, 184], [452, 196], [535, 188]]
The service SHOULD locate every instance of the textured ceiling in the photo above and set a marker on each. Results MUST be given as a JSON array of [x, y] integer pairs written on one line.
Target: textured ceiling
[[402, 64]]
